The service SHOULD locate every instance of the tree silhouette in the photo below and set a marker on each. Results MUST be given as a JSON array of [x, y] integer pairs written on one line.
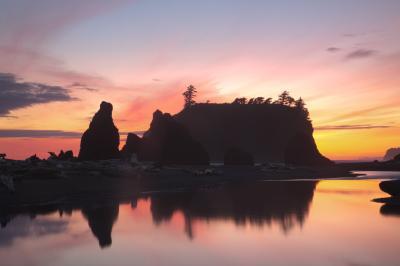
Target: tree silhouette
[[242, 100], [300, 105], [258, 100], [268, 100], [189, 96], [285, 99]]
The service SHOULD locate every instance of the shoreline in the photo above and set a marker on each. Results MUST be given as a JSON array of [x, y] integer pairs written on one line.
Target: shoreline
[[67, 182]]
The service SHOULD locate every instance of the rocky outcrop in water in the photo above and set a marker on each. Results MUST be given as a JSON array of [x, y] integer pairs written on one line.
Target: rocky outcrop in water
[[101, 140], [302, 150], [392, 187], [263, 130], [236, 156], [169, 142], [132, 146]]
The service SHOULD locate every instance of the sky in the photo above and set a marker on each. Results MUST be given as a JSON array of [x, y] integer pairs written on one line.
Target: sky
[[60, 59]]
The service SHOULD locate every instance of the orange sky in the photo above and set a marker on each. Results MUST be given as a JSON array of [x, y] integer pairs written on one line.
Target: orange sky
[[343, 58]]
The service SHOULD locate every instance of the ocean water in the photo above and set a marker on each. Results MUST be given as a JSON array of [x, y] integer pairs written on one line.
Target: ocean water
[[328, 222]]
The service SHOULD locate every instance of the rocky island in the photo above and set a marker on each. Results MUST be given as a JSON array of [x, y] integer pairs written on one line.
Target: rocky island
[[203, 145]]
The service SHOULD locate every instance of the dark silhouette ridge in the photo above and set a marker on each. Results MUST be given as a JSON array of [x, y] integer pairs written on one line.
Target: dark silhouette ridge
[[62, 156], [101, 220], [390, 209], [257, 203], [131, 146], [302, 150], [397, 158], [263, 130], [392, 187], [169, 142], [101, 140], [391, 153], [235, 156]]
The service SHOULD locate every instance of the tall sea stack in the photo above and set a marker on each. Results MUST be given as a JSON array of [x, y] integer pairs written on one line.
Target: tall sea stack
[[268, 132], [167, 141], [101, 140]]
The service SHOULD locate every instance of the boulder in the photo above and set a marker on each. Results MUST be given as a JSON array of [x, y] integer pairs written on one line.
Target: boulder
[[101, 140], [302, 150], [131, 146], [62, 156], [392, 187], [236, 156], [169, 142]]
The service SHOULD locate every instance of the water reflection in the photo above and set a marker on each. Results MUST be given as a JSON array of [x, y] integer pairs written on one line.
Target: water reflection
[[391, 205], [101, 220], [100, 217], [259, 204]]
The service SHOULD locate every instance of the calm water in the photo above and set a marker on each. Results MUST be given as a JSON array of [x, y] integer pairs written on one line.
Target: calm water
[[266, 223]]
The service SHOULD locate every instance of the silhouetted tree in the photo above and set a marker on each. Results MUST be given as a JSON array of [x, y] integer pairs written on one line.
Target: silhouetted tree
[[301, 106], [189, 96], [258, 100], [285, 99], [268, 101], [251, 101], [242, 100]]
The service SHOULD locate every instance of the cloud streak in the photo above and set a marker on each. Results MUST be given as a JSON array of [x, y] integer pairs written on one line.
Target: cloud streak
[[33, 133], [15, 94], [351, 127], [333, 49], [360, 54]]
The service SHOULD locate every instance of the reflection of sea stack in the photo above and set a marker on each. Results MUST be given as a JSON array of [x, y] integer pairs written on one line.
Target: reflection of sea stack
[[101, 220], [259, 203], [167, 141], [101, 140]]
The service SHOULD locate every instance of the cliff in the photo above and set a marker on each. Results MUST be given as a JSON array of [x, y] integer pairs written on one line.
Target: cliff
[[169, 142], [101, 140], [266, 131], [391, 153]]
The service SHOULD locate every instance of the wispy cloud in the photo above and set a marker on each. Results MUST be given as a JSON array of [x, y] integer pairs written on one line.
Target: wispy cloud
[[361, 53], [26, 133], [351, 127], [34, 133], [333, 49], [82, 86], [15, 94]]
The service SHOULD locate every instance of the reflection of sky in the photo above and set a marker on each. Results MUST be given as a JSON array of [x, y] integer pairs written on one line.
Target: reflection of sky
[[341, 229], [341, 56]]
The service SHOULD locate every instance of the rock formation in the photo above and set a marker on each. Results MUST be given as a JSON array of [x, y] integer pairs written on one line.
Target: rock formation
[[391, 187], [131, 146], [169, 142], [263, 130], [302, 150], [236, 156], [101, 140], [391, 153]]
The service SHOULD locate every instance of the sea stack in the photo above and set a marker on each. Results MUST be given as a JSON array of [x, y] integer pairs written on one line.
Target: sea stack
[[236, 156], [167, 141], [101, 140], [131, 146], [302, 150]]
